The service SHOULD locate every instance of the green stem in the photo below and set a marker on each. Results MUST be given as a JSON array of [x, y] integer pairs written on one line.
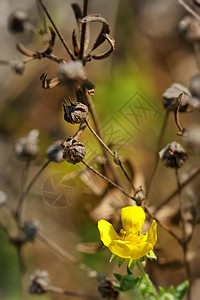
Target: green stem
[[148, 281]]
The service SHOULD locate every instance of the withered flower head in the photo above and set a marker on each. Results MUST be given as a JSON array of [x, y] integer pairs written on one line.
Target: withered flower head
[[173, 155], [39, 282], [27, 147], [74, 151], [29, 230], [171, 95], [106, 290], [55, 151], [71, 73], [18, 20], [190, 29], [17, 66], [75, 113]]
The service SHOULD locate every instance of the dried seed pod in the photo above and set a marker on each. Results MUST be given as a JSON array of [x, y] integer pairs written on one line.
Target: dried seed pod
[[27, 147], [72, 74], [75, 113], [29, 230], [17, 66], [194, 88], [17, 21], [39, 282], [190, 29], [171, 95], [106, 290], [173, 155], [55, 151], [74, 151]]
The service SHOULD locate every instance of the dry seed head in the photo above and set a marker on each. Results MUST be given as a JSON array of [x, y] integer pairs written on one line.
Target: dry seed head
[[171, 95], [173, 155], [75, 113], [17, 66], [74, 151], [71, 73], [39, 282], [18, 20], [27, 147], [55, 151]]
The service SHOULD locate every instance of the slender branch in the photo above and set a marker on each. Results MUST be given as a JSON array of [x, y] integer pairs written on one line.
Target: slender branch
[[56, 29], [80, 130], [107, 179], [66, 255], [189, 9], [175, 192], [159, 144], [83, 30], [57, 290], [114, 154], [26, 191]]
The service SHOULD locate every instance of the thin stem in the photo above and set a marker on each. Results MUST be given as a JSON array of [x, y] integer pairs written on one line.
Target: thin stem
[[114, 154], [66, 255], [83, 30], [57, 290], [107, 179], [189, 9], [26, 191], [159, 144], [147, 279], [56, 29], [42, 15], [23, 184], [174, 193], [80, 130]]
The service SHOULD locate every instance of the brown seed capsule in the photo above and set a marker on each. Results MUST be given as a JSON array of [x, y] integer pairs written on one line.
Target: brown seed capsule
[[75, 113], [189, 27], [55, 151], [171, 95], [18, 21], [106, 290], [27, 147], [74, 151], [39, 282], [173, 155]]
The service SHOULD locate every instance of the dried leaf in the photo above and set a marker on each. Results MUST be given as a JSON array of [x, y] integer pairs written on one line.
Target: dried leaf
[[105, 28], [25, 51], [77, 12], [49, 83], [111, 41]]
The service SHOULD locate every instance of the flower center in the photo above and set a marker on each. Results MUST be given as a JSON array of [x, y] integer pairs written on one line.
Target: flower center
[[132, 234]]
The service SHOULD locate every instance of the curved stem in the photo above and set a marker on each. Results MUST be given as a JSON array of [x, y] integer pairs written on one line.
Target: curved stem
[[148, 281]]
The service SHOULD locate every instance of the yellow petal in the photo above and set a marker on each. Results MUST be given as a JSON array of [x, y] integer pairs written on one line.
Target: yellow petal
[[151, 236], [127, 250], [107, 232], [132, 218]]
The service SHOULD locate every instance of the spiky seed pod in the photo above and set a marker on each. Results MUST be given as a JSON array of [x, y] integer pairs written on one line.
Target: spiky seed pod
[[27, 147], [39, 282], [106, 290], [75, 113], [74, 151], [173, 155], [18, 21], [55, 151], [171, 95], [189, 27]]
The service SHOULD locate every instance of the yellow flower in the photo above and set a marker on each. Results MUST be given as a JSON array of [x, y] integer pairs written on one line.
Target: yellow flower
[[131, 243]]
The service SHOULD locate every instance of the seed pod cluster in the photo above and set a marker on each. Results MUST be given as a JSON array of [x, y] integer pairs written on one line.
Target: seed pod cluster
[[74, 151], [75, 113], [173, 155]]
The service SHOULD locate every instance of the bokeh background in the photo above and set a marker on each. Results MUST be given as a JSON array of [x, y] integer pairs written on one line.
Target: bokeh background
[[150, 55]]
